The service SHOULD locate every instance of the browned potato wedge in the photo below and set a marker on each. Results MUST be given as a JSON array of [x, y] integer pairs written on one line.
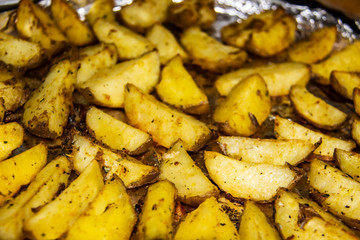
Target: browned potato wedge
[[286, 129], [142, 14], [84, 151], [316, 48], [34, 24], [18, 52], [246, 107], [271, 151], [164, 124], [300, 218], [344, 60], [279, 77], [344, 82], [46, 112], [109, 216], [41, 190], [356, 99], [209, 53], [128, 43], [12, 91], [355, 131], [255, 181], [55, 218], [20, 170], [2, 110], [192, 185], [106, 87], [156, 219], [93, 59], [208, 221], [315, 110], [336, 191], [349, 162], [255, 225], [11, 137], [165, 43], [76, 31], [101, 9], [179, 89], [119, 136]]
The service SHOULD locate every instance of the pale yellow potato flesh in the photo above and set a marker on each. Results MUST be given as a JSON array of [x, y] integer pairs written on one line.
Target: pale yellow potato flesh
[[315, 110], [344, 82], [11, 137], [246, 107], [349, 162], [271, 151], [101, 9], [356, 100], [287, 129], [279, 77], [254, 181]]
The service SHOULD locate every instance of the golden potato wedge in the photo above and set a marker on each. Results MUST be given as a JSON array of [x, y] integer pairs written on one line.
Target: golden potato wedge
[[47, 183], [46, 112], [128, 43], [109, 216], [2, 110], [164, 124], [84, 151], [315, 110], [209, 53], [75, 30], [344, 82], [301, 218], [317, 47], [11, 137], [55, 218], [286, 129], [208, 221], [156, 219], [336, 191], [344, 60], [106, 87], [20, 170], [18, 52], [246, 107], [34, 24], [254, 181], [349, 162], [12, 91], [279, 77], [255, 225], [271, 151], [166, 43], [119, 136], [142, 14], [94, 58], [179, 89], [192, 185], [355, 131], [101, 9], [356, 100]]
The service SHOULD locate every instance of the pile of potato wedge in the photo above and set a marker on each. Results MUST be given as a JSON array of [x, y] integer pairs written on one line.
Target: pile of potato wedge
[[139, 124]]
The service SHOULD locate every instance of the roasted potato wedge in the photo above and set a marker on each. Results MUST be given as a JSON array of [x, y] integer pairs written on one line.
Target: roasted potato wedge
[[109, 216], [345, 60], [166, 43], [11, 137], [19, 170], [208, 221], [106, 87], [209, 53], [156, 220], [355, 131], [128, 43], [271, 151], [344, 82], [254, 181], [2, 110], [46, 112], [246, 107], [315, 110], [101, 9], [179, 89], [55, 218], [120, 136], [349, 162], [34, 24], [287, 129], [192, 185], [12, 91], [356, 99], [316, 48], [164, 124], [279, 77]]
